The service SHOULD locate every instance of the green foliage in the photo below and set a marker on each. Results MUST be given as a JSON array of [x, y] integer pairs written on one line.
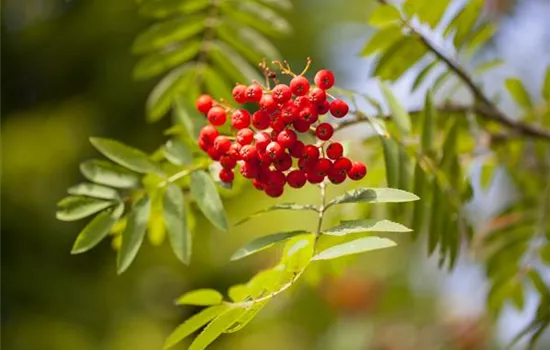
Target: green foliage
[[264, 242], [357, 246], [202, 297], [206, 195]]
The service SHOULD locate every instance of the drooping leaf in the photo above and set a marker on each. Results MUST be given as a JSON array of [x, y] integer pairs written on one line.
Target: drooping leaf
[[383, 15], [357, 246], [367, 225], [162, 96], [206, 195], [125, 155], [382, 39], [193, 324], [97, 229], [107, 173], [419, 187], [92, 190], [202, 297], [374, 195], [217, 327], [518, 92], [176, 152], [233, 64], [159, 62], [464, 21], [175, 219], [427, 141], [423, 74], [165, 8], [391, 160], [248, 42], [78, 207], [280, 206], [398, 112], [258, 17], [434, 230], [263, 243], [391, 65], [250, 313], [132, 237]]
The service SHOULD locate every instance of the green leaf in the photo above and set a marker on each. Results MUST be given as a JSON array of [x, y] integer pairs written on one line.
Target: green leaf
[[217, 327], [367, 225], [487, 173], [384, 15], [280, 206], [464, 21], [419, 187], [97, 229], [161, 97], [429, 12], [78, 207], [266, 282], [434, 230], [488, 65], [107, 173], [398, 112], [186, 115], [166, 8], [92, 190], [391, 65], [374, 195], [544, 253], [168, 33], [126, 156], [297, 253], [176, 152], [481, 36], [258, 17], [423, 74], [132, 237], [517, 91], [248, 42], [357, 246], [175, 218], [216, 85], [193, 324], [202, 297], [233, 64], [247, 316], [440, 80], [539, 284], [382, 39], [206, 195], [263, 243], [238, 292], [428, 126], [160, 62], [391, 160], [546, 85]]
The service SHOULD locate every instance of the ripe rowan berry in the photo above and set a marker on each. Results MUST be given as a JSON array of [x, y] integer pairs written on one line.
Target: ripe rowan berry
[[258, 184], [235, 151], [226, 175], [249, 153], [287, 138], [314, 178], [323, 107], [204, 103], [342, 164], [274, 150], [276, 178], [296, 178], [323, 166], [297, 149], [299, 85], [216, 116], [324, 79], [274, 191], [306, 165], [278, 126], [336, 177], [245, 136], [310, 152], [283, 163], [204, 144], [339, 108], [222, 144], [208, 133], [289, 112], [281, 93], [250, 170], [324, 131], [268, 103], [301, 125], [240, 119], [317, 95], [335, 150], [253, 93], [358, 171], [213, 153], [227, 162], [309, 114], [239, 94], [262, 140], [260, 119]]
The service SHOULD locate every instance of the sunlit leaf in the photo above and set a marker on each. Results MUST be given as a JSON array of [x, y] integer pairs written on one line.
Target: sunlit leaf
[[186, 115], [383, 15], [263, 243], [366, 225], [374, 195], [391, 65], [280, 206], [398, 112], [176, 152], [357, 246], [297, 253], [175, 219], [217, 327], [464, 21], [202, 297], [78, 207], [107, 173], [132, 237], [238, 292], [233, 64], [382, 39], [429, 12], [486, 174], [126, 156], [165, 8], [206, 195], [92, 190], [423, 74], [97, 229], [518, 92], [247, 316]]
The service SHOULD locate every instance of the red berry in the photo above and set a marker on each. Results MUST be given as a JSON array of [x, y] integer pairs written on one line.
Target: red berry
[[336, 177], [302, 102], [342, 165], [253, 93], [273, 191], [240, 119], [323, 166], [262, 140], [268, 103], [317, 95], [235, 151], [208, 133], [204, 144], [226, 175], [335, 150], [323, 107], [297, 150], [260, 119], [276, 178], [309, 114], [283, 163], [314, 177], [216, 116], [239, 93], [296, 178], [258, 184], [324, 131], [324, 79], [204, 103], [281, 93], [250, 170], [213, 153], [307, 165], [301, 125], [228, 162], [264, 157], [222, 144], [287, 138], [339, 108], [289, 112], [274, 150], [358, 171], [249, 153], [299, 85], [245, 136], [278, 126], [310, 152]]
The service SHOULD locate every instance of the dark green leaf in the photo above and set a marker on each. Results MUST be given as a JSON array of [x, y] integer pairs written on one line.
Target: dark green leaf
[[206, 195], [203, 297], [258, 17], [544, 253], [539, 284], [217, 327], [160, 62], [107, 173], [419, 187], [398, 112], [391, 160], [374, 195], [92, 190], [391, 65], [176, 152], [423, 74], [186, 115], [280, 206], [357, 246], [161, 98], [517, 91], [248, 42], [368, 225], [78, 207], [405, 170], [382, 39], [434, 229], [263, 243], [165, 8], [383, 15], [428, 126], [132, 237], [97, 229], [233, 64], [546, 85], [193, 324], [126, 156], [175, 219], [216, 85]]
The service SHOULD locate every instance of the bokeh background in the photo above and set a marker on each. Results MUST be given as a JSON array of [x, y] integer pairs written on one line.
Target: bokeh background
[[67, 75]]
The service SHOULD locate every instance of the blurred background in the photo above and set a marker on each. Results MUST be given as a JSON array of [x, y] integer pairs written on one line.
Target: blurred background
[[67, 75]]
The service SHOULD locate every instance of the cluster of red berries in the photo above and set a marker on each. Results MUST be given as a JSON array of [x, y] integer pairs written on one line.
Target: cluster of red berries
[[265, 142]]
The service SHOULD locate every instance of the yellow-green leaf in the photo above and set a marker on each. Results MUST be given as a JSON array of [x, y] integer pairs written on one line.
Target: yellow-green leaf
[[383, 15], [399, 114], [518, 92], [357, 246], [125, 155], [366, 225], [202, 297], [263, 243]]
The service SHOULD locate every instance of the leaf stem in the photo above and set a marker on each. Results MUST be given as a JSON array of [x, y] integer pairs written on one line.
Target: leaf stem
[[184, 173]]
